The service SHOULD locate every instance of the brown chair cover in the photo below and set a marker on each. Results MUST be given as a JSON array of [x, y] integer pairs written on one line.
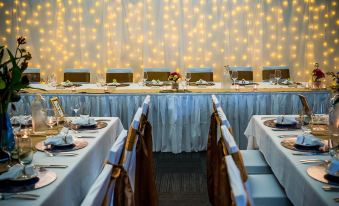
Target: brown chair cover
[[306, 107], [33, 77], [162, 76], [123, 193], [207, 76], [285, 74], [247, 75], [218, 184], [145, 192], [77, 77], [120, 77]]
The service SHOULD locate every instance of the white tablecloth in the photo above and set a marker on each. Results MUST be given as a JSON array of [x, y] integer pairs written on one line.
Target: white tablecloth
[[181, 120], [73, 183], [300, 188]]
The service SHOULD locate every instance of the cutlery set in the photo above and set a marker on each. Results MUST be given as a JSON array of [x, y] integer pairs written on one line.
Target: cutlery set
[[53, 154]]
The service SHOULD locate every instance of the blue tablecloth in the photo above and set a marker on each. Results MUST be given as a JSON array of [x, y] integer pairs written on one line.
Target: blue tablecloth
[[181, 121]]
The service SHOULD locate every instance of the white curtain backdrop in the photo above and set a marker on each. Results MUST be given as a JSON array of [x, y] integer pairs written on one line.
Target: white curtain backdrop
[[105, 34]]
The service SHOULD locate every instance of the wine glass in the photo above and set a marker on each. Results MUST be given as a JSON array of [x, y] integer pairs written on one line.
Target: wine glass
[[51, 119], [76, 108], [272, 78], [145, 78], [187, 77], [277, 75], [25, 152], [234, 76]]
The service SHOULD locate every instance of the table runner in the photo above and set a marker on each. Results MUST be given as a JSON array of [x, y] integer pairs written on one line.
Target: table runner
[[73, 183], [181, 120], [300, 188]]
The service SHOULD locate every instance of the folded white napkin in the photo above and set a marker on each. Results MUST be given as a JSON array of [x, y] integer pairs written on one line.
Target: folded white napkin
[[16, 171], [84, 120], [201, 81], [60, 139], [243, 82], [113, 84], [157, 82], [67, 83], [333, 168], [286, 81], [286, 120], [22, 119], [308, 140]]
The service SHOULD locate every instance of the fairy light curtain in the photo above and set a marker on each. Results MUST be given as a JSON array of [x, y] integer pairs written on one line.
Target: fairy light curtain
[[105, 34]]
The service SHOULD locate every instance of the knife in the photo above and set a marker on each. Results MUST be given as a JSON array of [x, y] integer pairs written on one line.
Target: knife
[[51, 166], [85, 136], [310, 153]]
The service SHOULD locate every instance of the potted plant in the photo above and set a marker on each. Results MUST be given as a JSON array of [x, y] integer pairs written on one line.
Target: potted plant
[[174, 77], [11, 82], [317, 75]]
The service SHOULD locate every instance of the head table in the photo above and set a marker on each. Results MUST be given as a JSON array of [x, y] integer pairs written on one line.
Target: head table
[[290, 172], [181, 120], [73, 182]]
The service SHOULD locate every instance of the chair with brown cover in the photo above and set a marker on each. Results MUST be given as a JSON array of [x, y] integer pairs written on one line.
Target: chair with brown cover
[[119, 74], [262, 189], [243, 72], [33, 75], [201, 73], [77, 75], [268, 70], [157, 73]]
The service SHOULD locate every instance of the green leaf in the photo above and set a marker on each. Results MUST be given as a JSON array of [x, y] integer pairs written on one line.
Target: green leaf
[[16, 73], [1, 55], [2, 84]]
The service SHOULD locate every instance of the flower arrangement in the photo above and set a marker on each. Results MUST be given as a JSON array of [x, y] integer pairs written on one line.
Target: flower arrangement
[[335, 77], [174, 76], [11, 79], [317, 74], [11, 82]]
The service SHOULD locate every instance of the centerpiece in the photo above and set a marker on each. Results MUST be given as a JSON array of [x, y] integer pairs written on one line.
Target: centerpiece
[[317, 75], [335, 77], [11, 82], [174, 77]]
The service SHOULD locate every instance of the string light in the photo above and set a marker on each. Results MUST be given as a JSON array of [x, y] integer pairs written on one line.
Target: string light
[[116, 33]]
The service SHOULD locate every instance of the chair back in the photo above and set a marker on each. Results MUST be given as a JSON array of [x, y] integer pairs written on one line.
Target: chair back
[[306, 107], [145, 106], [201, 73], [97, 192], [77, 75], [236, 183], [267, 71], [119, 74], [157, 73], [33, 75], [243, 73]]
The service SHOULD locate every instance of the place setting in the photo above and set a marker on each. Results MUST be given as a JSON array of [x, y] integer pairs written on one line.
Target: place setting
[[21, 175], [282, 123]]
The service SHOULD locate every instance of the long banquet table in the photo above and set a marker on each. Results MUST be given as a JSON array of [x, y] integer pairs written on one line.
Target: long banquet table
[[181, 120], [73, 182], [300, 188]]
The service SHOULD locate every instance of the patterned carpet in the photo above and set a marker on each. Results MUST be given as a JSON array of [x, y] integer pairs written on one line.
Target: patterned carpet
[[181, 179]]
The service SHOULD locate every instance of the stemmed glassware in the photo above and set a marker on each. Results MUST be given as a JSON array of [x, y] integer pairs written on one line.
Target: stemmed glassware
[[51, 119], [25, 152], [145, 78], [234, 76], [187, 77], [76, 108], [277, 75]]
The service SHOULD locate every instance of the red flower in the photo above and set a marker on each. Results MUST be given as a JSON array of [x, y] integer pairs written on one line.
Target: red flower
[[318, 73]]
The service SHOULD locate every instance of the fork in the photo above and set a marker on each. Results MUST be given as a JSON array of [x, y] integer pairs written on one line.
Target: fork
[[51, 154]]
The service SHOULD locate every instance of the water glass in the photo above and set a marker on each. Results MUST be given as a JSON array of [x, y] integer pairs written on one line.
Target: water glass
[[272, 78], [234, 76], [51, 118], [25, 152], [75, 109], [277, 75], [145, 78]]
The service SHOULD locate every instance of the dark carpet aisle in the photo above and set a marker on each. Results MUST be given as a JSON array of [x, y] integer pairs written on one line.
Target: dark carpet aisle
[[181, 179]]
